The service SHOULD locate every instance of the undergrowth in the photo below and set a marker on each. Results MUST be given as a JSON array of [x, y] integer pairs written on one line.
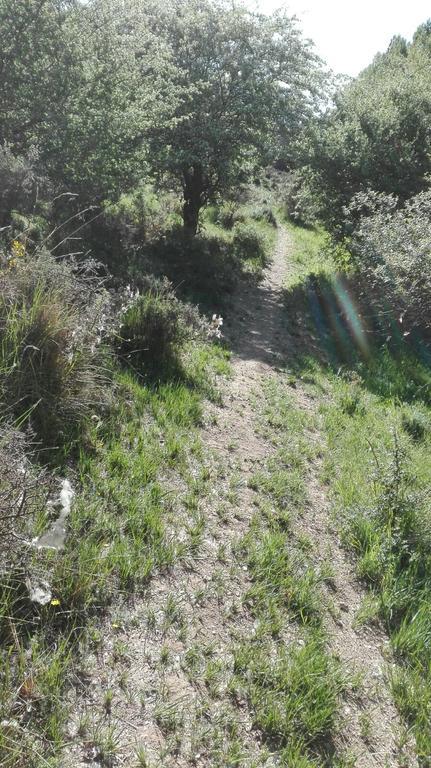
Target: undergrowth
[[375, 411], [309, 257], [53, 369]]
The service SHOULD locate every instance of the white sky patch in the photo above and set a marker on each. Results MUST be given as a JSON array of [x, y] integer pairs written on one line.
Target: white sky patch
[[347, 34]]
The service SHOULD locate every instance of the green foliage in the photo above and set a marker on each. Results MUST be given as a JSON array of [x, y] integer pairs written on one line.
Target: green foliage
[[103, 114], [82, 94], [20, 184], [250, 243], [228, 215], [33, 92], [391, 248], [378, 133], [99, 150], [154, 327], [148, 213], [339, 253], [416, 422], [264, 213], [298, 196], [221, 128]]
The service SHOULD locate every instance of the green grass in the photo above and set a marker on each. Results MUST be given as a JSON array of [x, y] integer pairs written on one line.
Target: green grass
[[294, 694], [206, 269], [293, 687], [284, 580], [309, 257], [375, 414], [380, 478], [246, 216], [135, 478]]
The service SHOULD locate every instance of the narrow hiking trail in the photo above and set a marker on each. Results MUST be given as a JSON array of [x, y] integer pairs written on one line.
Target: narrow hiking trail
[[157, 689]]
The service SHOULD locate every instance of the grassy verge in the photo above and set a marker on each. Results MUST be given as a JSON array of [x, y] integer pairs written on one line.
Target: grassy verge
[[376, 416], [378, 467], [141, 468], [308, 246]]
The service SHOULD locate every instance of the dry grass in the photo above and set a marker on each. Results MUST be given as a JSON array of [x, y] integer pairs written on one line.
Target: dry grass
[[52, 363]]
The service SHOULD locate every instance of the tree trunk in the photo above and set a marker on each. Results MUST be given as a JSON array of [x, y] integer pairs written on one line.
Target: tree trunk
[[193, 188]]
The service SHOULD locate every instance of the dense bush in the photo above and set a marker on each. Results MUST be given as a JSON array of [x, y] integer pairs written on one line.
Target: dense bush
[[233, 212], [250, 243], [416, 423], [378, 134], [125, 228], [264, 213], [391, 248], [299, 197], [154, 326], [228, 215], [52, 367]]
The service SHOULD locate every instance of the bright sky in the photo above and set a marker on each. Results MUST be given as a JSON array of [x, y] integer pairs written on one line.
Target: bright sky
[[349, 34]]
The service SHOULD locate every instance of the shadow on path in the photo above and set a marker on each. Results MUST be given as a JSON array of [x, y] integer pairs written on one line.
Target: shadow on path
[[258, 328]]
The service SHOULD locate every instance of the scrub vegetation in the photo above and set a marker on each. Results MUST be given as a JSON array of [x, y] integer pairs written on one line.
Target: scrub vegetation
[[215, 392]]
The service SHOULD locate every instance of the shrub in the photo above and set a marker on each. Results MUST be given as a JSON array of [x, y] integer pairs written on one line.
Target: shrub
[[52, 362], [124, 228], [204, 268], [416, 423], [250, 243], [29, 228], [264, 213], [228, 215], [155, 325], [391, 249], [300, 202]]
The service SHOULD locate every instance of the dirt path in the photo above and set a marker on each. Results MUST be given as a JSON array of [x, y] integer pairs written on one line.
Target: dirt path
[[167, 662], [372, 726]]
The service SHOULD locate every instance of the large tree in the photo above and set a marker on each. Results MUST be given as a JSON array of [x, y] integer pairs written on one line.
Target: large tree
[[199, 91], [240, 82], [101, 149]]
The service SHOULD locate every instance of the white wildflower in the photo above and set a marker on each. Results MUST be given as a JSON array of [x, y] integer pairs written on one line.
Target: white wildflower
[[215, 326]]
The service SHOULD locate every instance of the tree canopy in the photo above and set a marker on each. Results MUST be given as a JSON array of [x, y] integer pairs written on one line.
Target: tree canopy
[[378, 133], [197, 93], [243, 82]]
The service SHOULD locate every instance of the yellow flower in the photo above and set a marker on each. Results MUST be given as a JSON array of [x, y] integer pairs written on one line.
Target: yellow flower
[[55, 601], [18, 249]]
